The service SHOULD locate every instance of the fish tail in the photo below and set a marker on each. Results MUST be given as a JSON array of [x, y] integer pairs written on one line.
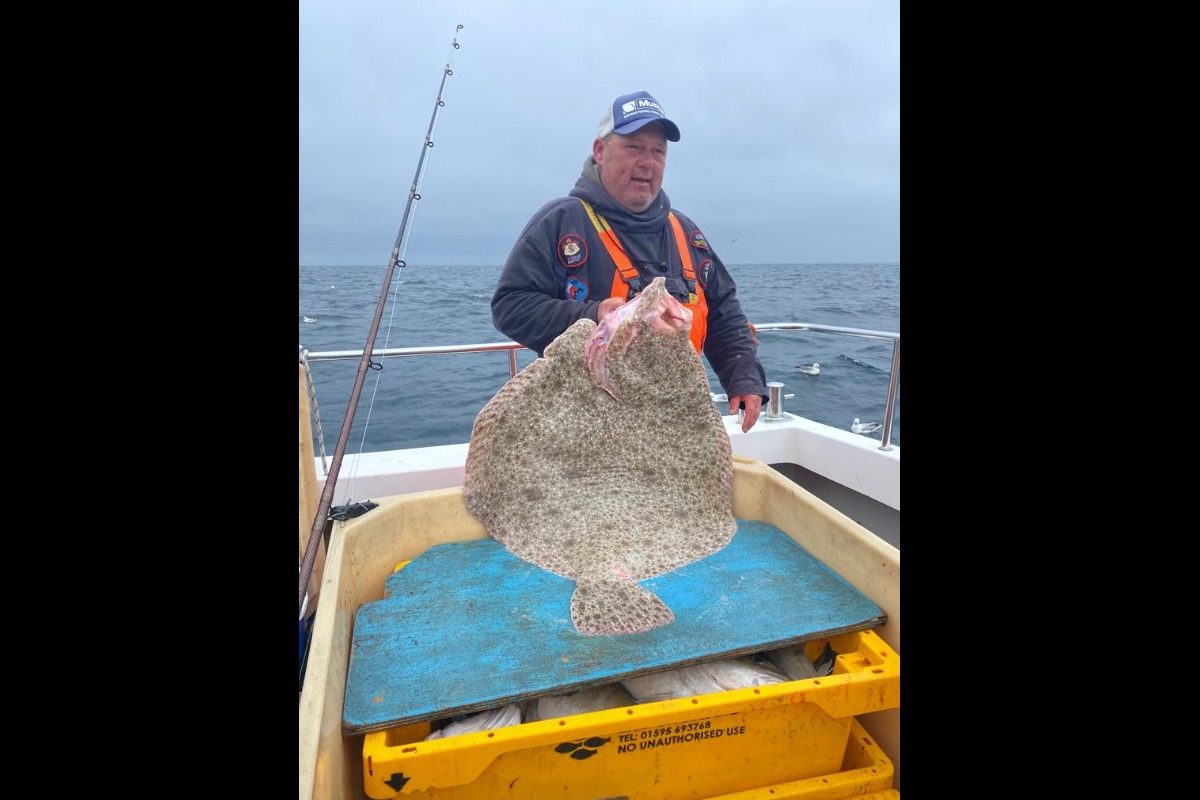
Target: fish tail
[[608, 607]]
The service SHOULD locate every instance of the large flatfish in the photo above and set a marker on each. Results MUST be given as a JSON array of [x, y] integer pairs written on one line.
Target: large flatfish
[[606, 462]]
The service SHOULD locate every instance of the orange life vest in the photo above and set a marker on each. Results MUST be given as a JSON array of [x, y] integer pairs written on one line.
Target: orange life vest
[[627, 283]]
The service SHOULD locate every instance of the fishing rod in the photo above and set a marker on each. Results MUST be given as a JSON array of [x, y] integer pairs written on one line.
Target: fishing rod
[[323, 522]]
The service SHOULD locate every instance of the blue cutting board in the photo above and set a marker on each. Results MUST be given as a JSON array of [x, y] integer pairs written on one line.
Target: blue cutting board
[[469, 626]]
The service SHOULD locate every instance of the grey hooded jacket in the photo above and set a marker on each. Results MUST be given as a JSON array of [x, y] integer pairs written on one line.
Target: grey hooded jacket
[[559, 271]]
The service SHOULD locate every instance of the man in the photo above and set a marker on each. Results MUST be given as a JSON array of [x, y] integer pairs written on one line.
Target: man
[[586, 254]]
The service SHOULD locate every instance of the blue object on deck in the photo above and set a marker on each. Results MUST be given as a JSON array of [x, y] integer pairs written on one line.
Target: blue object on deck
[[468, 626]]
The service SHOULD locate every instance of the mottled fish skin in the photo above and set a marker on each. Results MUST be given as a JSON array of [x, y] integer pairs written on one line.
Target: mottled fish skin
[[661, 313], [607, 489]]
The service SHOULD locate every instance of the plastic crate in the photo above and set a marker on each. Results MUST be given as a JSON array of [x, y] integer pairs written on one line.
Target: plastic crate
[[866, 774], [681, 749]]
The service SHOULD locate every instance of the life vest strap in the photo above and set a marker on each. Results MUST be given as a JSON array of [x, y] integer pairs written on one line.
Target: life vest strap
[[612, 244], [627, 282]]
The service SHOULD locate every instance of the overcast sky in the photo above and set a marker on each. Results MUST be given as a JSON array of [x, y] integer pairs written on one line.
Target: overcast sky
[[789, 112]]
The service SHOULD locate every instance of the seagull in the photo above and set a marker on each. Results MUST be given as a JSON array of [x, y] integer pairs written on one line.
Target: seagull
[[308, 319], [815, 369], [864, 427]]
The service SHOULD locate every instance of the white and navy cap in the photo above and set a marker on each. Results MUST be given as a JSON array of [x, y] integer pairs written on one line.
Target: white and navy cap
[[631, 111]]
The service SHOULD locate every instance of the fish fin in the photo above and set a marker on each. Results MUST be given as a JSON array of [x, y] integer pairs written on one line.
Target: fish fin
[[608, 607], [597, 362]]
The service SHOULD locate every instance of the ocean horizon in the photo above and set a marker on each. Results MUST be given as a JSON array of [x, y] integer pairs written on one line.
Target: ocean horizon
[[433, 400]]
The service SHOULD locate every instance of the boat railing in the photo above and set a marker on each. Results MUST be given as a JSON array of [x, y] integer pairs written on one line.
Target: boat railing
[[512, 347]]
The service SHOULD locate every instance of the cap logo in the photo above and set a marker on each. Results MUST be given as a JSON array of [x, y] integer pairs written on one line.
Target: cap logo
[[641, 106]]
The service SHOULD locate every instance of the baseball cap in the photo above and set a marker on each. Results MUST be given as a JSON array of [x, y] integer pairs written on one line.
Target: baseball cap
[[630, 112]]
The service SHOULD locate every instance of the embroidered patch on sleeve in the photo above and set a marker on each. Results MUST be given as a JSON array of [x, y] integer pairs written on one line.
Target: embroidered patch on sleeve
[[577, 289], [572, 251], [698, 240]]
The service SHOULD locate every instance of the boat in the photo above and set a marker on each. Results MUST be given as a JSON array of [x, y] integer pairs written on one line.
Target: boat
[[834, 492]]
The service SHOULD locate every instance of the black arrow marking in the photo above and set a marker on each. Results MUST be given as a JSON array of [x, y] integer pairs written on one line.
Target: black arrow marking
[[397, 781]]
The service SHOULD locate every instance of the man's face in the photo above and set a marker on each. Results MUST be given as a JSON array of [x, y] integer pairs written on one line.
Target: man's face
[[631, 167]]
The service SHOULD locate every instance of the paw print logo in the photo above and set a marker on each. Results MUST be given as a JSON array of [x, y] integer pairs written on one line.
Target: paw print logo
[[584, 748]]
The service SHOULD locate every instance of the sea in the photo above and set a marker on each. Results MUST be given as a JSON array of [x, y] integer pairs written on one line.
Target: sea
[[433, 400]]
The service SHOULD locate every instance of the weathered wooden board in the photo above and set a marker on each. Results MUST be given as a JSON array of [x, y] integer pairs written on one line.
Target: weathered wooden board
[[468, 626]]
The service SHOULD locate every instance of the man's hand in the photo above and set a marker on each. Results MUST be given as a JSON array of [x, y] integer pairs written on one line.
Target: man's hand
[[606, 305], [753, 403]]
